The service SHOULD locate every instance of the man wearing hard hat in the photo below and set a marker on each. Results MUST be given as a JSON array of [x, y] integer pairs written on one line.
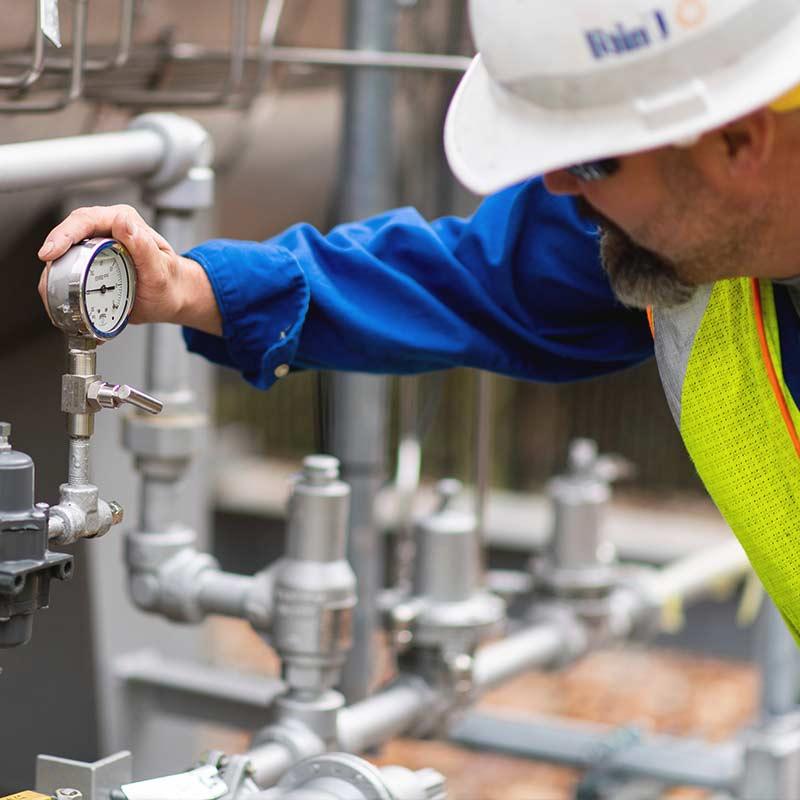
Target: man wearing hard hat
[[674, 127]]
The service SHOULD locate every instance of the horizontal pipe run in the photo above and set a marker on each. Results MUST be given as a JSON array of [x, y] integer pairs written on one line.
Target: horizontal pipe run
[[225, 593], [673, 761], [534, 648], [78, 159], [332, 57], [390, 713], [694, 577]]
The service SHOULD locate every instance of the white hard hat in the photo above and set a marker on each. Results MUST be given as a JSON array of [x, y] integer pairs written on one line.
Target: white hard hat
[[557, 84]]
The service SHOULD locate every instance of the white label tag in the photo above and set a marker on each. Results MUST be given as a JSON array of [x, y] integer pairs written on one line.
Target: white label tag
[[199, 784], [51, 23]]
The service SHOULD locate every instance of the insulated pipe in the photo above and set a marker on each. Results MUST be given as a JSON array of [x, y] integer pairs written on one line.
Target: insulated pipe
[[78, 159]]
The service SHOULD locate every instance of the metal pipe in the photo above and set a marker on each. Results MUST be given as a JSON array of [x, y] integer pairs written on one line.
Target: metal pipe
[[537, 647], [269, 762], [333, 57], [359, 401], [776, 652], [483, 458], [385, 715], [693, 577], [78, 469], [225, 593], [669, 760], [78, 159]]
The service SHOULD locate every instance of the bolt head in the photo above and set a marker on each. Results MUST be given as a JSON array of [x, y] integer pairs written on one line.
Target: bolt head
[[68, 794], [117, 512]]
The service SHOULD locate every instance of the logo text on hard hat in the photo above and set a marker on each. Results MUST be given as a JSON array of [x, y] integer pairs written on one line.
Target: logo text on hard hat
[[604, 42]]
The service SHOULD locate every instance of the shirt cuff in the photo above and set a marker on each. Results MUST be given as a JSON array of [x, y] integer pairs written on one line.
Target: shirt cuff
[[263, 297]]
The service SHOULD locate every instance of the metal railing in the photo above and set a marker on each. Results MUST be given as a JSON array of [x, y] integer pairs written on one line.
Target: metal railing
[[30, 78]]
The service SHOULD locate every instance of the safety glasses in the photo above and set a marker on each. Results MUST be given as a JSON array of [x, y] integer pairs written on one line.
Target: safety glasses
[[595, 170]]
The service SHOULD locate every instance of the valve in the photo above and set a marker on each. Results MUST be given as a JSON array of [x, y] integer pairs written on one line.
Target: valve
[[579, 562], [26, 565]]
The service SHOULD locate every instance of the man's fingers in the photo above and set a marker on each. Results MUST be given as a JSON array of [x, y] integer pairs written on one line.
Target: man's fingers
[[83, 223], [132, 231]]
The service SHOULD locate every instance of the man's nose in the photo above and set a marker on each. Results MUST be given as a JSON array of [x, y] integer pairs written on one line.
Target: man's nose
[[562, 182]]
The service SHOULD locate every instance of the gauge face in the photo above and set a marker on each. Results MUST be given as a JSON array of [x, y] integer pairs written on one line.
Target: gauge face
[[108, 291]]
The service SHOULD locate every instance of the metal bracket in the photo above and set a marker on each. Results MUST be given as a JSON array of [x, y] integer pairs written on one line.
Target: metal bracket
[[95, 781]]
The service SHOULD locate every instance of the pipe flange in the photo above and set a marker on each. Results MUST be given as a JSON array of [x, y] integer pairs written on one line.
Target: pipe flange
[[344, 767]]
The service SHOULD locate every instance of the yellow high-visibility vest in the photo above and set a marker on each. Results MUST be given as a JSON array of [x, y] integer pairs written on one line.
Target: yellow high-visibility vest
[[720, 363]]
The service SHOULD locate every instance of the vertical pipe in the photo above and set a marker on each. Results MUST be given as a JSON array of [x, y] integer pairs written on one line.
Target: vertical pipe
[[359, 401], [483, 457], [167, 377], [777, 656]]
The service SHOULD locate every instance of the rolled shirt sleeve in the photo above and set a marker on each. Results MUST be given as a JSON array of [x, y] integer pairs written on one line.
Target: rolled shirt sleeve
[[517, 289]]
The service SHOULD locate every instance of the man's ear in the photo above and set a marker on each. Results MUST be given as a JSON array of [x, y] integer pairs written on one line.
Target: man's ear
[[748, 143]]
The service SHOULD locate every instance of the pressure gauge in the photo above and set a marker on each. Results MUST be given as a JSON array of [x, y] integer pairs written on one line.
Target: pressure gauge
[[91, 289]]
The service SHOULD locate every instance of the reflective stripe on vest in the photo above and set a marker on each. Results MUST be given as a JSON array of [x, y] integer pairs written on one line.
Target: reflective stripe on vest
[[717, 383]]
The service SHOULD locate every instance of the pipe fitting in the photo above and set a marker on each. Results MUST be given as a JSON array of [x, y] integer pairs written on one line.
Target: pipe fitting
[[186, 145], [168, 576], [81, 514], [338, 775]]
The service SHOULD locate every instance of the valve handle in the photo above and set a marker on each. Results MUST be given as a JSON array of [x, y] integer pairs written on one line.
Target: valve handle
[[107, 395]]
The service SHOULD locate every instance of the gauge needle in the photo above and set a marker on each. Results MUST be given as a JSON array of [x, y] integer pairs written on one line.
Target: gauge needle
[[102, 289]]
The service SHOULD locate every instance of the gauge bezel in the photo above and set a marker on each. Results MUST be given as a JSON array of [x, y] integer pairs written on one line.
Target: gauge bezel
[[66, 284]]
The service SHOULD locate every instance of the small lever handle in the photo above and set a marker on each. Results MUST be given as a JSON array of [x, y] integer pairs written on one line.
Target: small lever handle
[[107, 395]]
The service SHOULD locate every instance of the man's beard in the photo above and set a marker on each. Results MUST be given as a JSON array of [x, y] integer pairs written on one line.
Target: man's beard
[[639, 277]]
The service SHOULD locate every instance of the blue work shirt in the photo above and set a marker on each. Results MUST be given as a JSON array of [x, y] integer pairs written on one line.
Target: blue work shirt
[[517, 289]]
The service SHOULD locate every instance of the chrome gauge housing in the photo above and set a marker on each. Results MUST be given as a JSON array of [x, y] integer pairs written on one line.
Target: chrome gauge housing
[[91, 289]]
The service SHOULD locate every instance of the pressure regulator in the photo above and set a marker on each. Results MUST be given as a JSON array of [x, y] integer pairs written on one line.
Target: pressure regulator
[[91, 289]]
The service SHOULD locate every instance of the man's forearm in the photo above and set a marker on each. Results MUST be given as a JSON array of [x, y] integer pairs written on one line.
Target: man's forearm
[[198, 307]]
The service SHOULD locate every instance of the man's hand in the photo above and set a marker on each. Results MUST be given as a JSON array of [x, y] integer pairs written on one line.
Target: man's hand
[[169, 288]]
